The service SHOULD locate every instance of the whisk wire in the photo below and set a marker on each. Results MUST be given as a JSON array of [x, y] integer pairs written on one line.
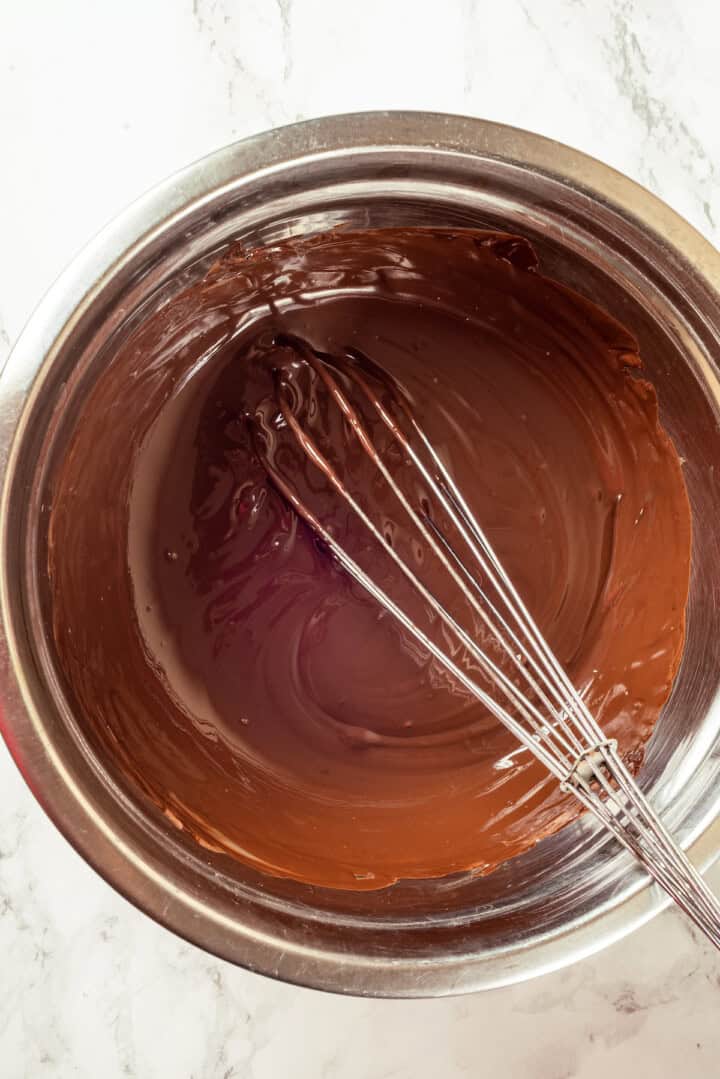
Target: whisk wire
[[566, 743], [526, 708], [443, 551], [453, 503]]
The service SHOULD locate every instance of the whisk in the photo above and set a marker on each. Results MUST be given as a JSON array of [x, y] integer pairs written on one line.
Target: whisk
[[540, 705]]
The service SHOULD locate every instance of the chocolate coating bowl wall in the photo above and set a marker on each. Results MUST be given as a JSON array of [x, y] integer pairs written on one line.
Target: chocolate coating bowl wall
[[594, 231]]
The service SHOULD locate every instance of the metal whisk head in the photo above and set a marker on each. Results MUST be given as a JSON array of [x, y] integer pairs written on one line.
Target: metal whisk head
[[522, 683]]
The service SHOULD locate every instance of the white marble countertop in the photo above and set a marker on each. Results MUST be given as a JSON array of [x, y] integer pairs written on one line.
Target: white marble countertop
[[98, 101]]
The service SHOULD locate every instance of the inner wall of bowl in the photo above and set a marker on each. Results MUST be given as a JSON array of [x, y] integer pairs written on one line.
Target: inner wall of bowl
[[587, 246]]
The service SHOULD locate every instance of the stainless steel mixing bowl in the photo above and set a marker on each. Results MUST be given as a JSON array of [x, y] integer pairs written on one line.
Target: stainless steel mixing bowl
[[594, 230]]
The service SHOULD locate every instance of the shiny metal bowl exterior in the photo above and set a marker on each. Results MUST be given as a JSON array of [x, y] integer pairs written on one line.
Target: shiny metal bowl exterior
[[594, 230]]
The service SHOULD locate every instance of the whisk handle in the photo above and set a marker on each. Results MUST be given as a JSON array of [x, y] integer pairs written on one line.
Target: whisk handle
[[614, 798], [690, 891]]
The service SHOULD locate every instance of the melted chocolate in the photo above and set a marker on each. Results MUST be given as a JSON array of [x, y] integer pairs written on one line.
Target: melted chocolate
[[218, 656]]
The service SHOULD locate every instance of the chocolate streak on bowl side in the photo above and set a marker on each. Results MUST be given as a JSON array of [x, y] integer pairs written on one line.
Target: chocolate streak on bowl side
[[219, 658]]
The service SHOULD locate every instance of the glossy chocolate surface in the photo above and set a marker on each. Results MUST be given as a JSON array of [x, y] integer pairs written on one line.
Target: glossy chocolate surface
[[220, 659]]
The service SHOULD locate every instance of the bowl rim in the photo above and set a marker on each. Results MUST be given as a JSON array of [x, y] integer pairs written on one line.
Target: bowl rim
[[92, 835]]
